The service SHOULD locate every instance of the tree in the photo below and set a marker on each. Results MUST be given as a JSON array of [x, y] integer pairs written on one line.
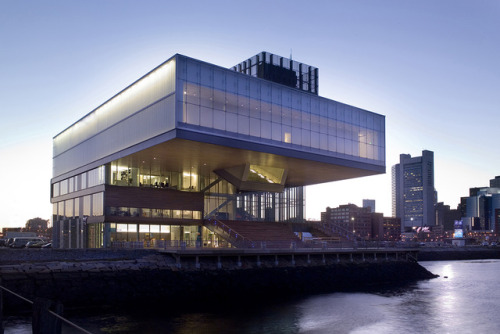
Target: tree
[[37, 225]]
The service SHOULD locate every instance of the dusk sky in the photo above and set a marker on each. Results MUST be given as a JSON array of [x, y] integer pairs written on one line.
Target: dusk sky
[[431, 67]]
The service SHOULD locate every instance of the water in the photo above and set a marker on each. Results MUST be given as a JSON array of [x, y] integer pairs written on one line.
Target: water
[[464, 299]]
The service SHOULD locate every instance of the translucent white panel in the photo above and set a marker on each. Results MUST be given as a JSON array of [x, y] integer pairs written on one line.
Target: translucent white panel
[[265, 92], [286, 134], [193, 71], [243, 86], [306, 103], [206, 117], [276, 113], [152, 87], [219, 79], [355, 115], [243, 125], [363, 152], [286, 98], [276, 91], [231, 122], [206, 96], [231, 103], [193, 114], [243, 105], [296, 136], [323, 141], [266, 111], [315, 140], [315, 125], [306, 121], [362, 119], [276, 131], [219, 99], [332, 144], [340, 112], [254, 127], [149, 123], [254, 89], [219, 120], [348, 114], [265, 129], [340, 145], [306, 138], [231, 83], [296, 118], [207, 75], [348, 147], [254, 108]]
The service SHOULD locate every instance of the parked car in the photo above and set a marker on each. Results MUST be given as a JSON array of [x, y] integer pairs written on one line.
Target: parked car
[[35, 244], [21, 242], [47, 245]]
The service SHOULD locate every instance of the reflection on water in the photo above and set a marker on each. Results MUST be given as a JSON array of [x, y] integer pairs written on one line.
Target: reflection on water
[[464, 299]]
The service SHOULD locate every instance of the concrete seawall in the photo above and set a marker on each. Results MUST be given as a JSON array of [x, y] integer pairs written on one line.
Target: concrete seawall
[[458, 253], [88, 278]]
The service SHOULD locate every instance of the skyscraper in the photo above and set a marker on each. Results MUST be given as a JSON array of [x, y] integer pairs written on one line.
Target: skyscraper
[[413, 194]]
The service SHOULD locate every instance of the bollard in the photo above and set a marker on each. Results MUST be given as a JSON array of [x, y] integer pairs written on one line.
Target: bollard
[[43, 321]]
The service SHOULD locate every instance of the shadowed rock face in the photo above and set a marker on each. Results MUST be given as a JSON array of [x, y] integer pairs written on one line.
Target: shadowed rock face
[[154, 279]]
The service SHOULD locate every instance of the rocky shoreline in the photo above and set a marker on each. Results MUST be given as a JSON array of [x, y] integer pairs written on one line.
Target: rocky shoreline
[[149, 278]]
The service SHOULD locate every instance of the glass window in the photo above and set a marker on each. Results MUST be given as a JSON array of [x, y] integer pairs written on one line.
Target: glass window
[[60, 209], [64, 187], [177, 214], [206, 117], [132, 227], [265, 131], [219, 120], [167, 213], [231, 122], [206, 97], [266, 111], [193, 114], [97, 204], [86, 205], [219, 100], [165, 228], [276, 131], [55, 189], [254, 127], [243, 125], [83, 180]]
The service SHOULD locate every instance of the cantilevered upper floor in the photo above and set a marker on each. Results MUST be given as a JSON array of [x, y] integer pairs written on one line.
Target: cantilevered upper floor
[[255, 133]]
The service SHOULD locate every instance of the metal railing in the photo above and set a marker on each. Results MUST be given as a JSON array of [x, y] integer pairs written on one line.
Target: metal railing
[[68, 322], [228, 233]]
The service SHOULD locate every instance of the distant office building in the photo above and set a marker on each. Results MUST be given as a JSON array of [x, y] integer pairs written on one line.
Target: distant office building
[[446, 217], [369, 203], [413, 193], [191, 143], [481, 209], [495, 183]]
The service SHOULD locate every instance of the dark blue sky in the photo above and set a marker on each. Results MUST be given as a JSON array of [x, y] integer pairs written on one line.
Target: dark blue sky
[[431, 67]]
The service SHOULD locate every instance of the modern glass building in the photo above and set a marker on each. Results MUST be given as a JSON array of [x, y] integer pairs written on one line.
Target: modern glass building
[[191, 140]]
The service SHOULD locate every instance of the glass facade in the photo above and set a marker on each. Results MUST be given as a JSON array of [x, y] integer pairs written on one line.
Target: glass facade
[[227, 103], [132, 141]]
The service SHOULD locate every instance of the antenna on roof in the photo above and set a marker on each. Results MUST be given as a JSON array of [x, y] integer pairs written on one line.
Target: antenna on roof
[[290, 54]]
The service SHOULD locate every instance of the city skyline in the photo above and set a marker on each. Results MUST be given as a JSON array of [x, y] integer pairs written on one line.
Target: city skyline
[[430, 68]]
